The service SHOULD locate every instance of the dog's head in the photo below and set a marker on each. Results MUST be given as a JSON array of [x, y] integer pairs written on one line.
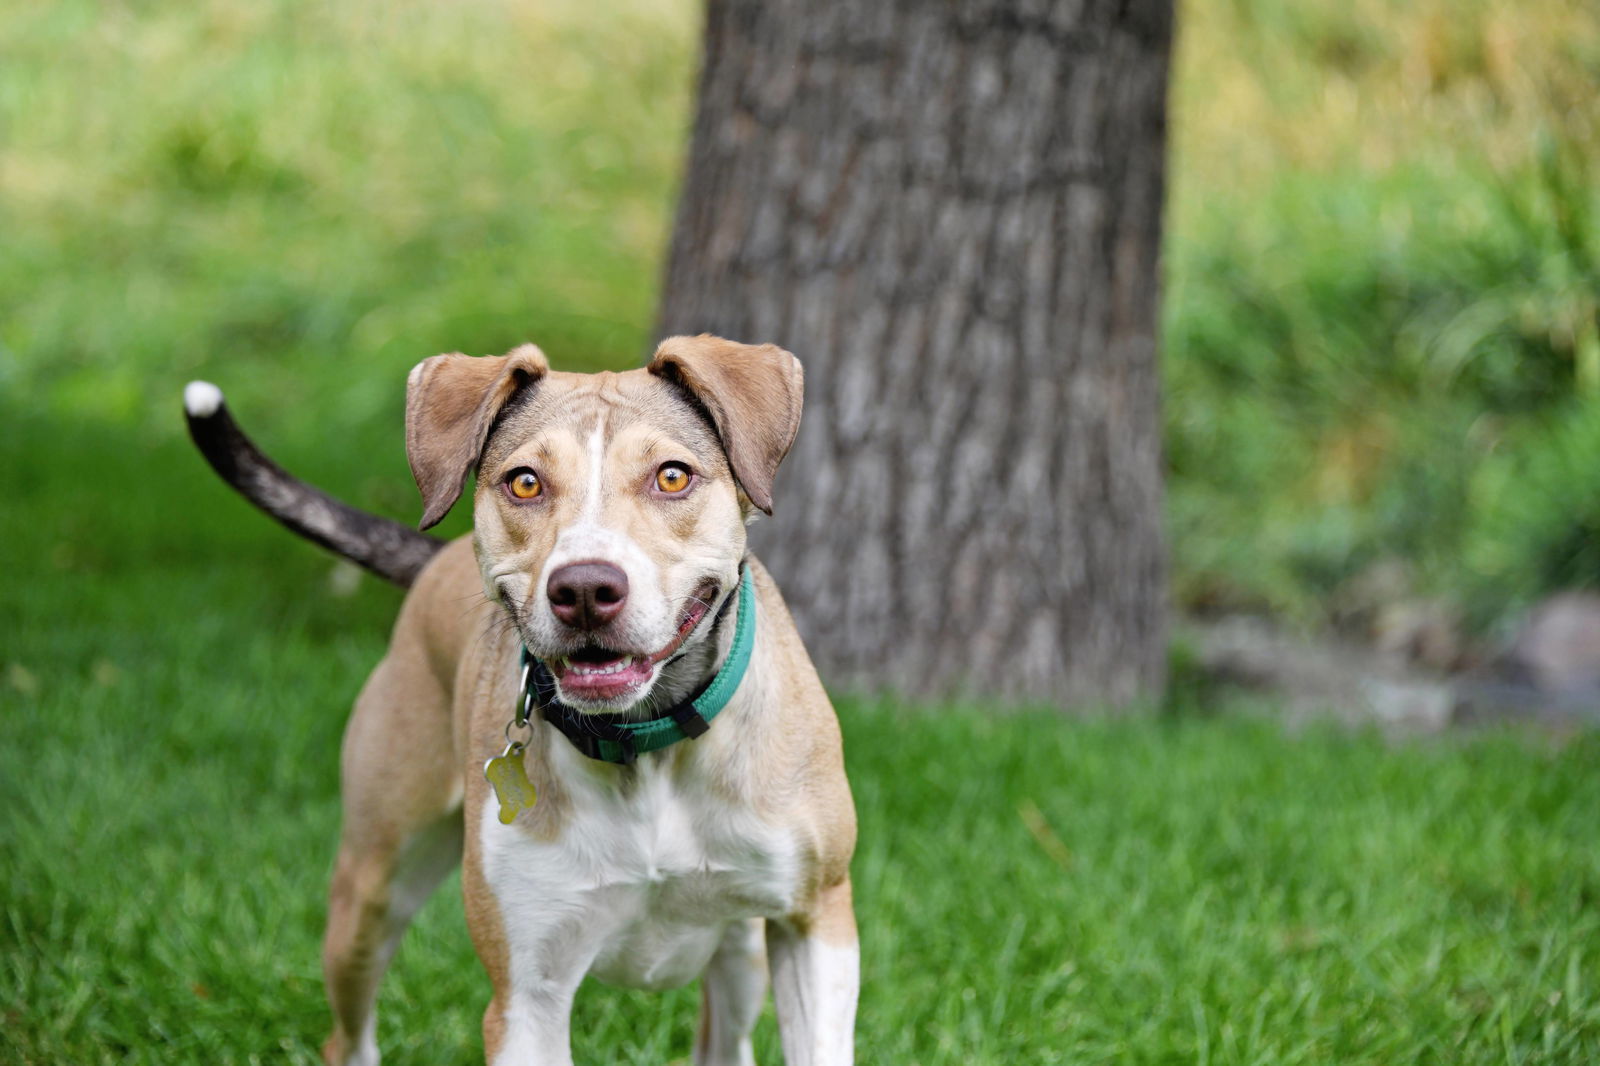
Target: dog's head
[[610, 511]]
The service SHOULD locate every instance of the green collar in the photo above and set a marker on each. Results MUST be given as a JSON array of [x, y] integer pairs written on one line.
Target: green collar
[[601, 736]]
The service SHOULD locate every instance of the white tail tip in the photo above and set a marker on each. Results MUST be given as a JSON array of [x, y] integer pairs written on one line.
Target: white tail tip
[[201, 399]]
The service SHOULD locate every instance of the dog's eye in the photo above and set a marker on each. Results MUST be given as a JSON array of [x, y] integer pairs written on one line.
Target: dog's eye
[[672, 477], [524, 484]]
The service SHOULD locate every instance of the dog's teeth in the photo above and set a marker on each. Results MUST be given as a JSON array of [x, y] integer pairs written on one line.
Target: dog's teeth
[[595, 671]]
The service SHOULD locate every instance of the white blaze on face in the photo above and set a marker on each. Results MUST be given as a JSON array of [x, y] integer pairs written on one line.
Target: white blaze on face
[[647, 621]]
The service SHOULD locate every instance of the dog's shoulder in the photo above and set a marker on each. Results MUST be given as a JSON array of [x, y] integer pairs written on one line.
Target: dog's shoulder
[[445, 611]]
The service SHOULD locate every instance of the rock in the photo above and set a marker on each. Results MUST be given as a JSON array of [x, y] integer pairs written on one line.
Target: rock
[[1322, 679], [1410, 706], [1356, 604], [1424, 632], [1558, 648]]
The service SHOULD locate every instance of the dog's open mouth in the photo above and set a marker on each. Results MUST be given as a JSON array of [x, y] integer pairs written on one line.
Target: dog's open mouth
[[597, 674], [600, 675]]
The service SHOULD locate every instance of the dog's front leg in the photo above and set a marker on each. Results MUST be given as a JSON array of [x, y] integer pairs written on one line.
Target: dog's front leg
[[535, 964], [732, 990], [816, 963], [529, 1027]]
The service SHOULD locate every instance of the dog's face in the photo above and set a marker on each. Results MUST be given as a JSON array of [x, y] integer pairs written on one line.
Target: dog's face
[[610, 510]]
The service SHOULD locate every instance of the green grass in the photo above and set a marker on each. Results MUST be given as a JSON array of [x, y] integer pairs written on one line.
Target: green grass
[[1187, 889], [1030, 889], [1196, 888]]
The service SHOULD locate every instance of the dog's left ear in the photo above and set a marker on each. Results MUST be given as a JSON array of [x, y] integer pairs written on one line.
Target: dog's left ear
[[451, 401], [753, 394]]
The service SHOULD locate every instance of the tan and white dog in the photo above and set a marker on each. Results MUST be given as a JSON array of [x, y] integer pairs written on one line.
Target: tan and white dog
[[609, 540]]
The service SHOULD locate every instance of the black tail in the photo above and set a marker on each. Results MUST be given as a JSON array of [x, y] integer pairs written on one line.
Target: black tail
[[388, 548]]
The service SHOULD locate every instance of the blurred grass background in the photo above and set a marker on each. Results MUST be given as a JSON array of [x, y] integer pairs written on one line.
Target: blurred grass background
[[1380, 342], [1381, 325], [1383, 260]]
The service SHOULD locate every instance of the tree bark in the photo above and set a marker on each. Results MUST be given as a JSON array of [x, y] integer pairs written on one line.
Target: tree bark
[[951, 212]]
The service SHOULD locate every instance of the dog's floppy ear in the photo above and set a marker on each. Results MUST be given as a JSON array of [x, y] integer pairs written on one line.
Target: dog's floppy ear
[[451, 401], [753, 394]]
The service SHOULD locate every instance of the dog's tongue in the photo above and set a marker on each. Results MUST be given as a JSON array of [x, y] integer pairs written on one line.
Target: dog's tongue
[[601, 676]]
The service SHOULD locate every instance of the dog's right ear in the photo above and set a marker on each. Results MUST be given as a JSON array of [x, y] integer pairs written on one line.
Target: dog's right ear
[[451, 401]]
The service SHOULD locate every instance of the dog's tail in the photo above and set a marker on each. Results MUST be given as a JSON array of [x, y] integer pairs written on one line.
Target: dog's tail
[[388, 548]]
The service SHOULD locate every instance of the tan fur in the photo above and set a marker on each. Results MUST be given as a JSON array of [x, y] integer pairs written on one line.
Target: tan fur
[[436, 707], [451, 401]]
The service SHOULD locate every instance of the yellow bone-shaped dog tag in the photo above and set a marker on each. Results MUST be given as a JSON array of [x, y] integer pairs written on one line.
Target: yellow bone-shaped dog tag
[[511, 785]]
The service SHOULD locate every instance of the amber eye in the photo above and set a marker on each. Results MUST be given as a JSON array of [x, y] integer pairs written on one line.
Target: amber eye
[[672, 478], [524, 484]]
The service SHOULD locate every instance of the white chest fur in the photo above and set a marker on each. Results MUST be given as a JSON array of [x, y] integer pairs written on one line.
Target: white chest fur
[[639, 886]]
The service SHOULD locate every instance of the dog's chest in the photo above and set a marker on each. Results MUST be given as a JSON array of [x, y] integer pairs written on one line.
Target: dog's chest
[[644, 879]]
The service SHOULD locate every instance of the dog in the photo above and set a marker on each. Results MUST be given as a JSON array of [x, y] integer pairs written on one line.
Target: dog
[[597, 704]]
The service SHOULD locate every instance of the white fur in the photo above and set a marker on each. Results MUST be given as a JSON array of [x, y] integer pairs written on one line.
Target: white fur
[[735, 985], [641, 889], [201, 399], [595, 500], [814, 985]]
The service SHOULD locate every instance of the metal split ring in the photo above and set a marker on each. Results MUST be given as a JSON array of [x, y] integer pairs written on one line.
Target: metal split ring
[[523, 723]]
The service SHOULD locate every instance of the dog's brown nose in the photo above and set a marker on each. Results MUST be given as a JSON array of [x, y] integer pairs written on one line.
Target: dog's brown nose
[[587, 595]]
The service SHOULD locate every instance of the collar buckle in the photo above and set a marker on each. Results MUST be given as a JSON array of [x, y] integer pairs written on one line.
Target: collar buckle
[[689, 720]]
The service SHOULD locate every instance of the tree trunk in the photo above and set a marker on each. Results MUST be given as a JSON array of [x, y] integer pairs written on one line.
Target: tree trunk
[[951, 213]]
